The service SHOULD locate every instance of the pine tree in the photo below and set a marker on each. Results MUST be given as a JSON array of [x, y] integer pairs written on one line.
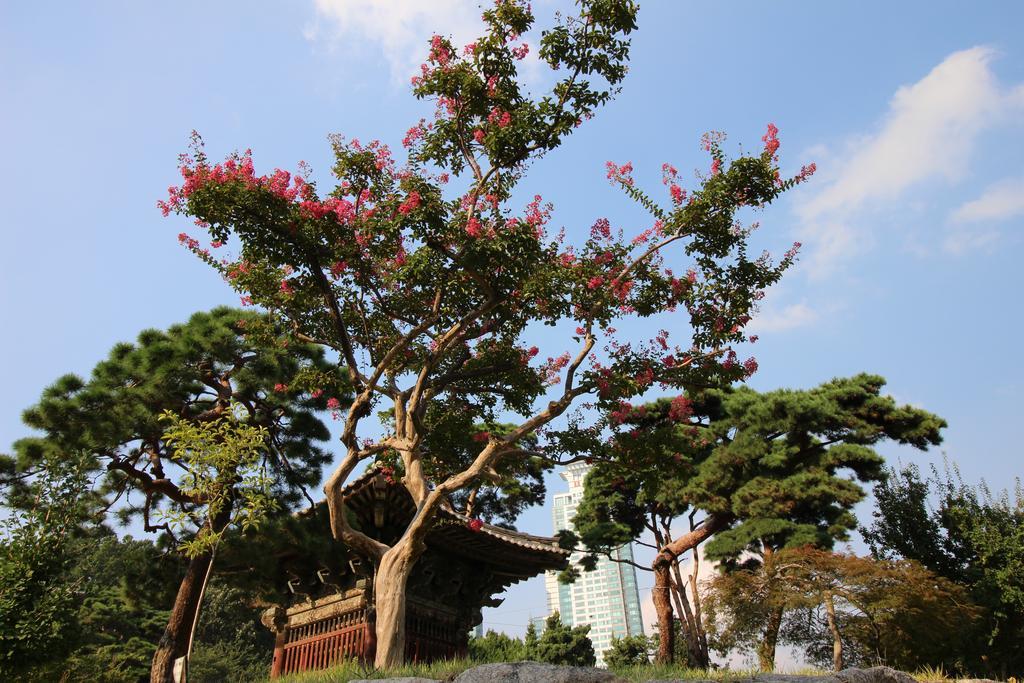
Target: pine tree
[[219, 367], [563, 644], [761, 471]]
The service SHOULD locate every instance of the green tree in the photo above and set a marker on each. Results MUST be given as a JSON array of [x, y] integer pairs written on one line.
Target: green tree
[[125, 590], [37, 605], [857, 611], [972, 537], [220, 364], [427, 281], [628, 651], [496, 647], [765, 472], [563, 644], [530, 641], [231, 643]]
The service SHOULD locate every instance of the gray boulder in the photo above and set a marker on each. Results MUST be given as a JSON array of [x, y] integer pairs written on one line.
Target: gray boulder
[[534, 672], [876, 674], [404, 679]]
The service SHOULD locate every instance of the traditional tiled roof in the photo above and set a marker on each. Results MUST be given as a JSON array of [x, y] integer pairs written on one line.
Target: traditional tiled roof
[[389, 504]]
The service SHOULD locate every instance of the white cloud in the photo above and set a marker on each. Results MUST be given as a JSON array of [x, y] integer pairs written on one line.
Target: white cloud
[[786, 318], [929, 133], [1000, 201], [400, 29], [963, 239]]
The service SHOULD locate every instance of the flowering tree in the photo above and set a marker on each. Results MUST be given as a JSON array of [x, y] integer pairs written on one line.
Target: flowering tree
[[425, 279]]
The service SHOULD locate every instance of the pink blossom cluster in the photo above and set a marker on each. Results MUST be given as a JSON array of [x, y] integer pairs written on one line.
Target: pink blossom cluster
[[771, 140], [414, 134], [620, 174], [711, 139], [538, 215], [680, 409], [411, 202], [601, 229], [439, 52], [805, 172], [552, 369], [621, 289], [792, 251], [499, 118]]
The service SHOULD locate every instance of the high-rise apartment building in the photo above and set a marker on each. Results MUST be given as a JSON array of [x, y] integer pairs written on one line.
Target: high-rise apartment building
[[605, 598]]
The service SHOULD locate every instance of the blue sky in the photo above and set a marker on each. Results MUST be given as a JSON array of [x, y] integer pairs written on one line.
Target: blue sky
[[912, 228]]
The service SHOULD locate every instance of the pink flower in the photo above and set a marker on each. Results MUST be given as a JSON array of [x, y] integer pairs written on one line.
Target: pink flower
[[678, 194], [620, 173], [280, 388], [475, 524], [806, 172], [680, 409], [411, 202], [622, 413], [216, 244], [316, 393], [439, 52], [474, 228], [499, 118], [595, 282], [478, 135], [771, 140], [716, 166], [481, 437], [333, 403]]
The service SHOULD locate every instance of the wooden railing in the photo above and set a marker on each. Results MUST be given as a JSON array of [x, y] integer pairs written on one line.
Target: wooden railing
[[323, 643]]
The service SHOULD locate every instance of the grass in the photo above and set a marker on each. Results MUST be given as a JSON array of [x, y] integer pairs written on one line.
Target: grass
[[447, 670]]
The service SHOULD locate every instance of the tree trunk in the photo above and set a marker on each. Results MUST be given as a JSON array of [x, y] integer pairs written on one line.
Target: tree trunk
[[691, 625], [766, 648], [663, 608], [837, 641], [702, 636], [389, 597], [174, 642]]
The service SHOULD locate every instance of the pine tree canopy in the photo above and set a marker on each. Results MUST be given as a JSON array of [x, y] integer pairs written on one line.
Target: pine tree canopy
[[218, 362], [782, 468]]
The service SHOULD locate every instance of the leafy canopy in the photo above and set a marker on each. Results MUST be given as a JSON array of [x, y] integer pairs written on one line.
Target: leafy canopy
[[425, 277]]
